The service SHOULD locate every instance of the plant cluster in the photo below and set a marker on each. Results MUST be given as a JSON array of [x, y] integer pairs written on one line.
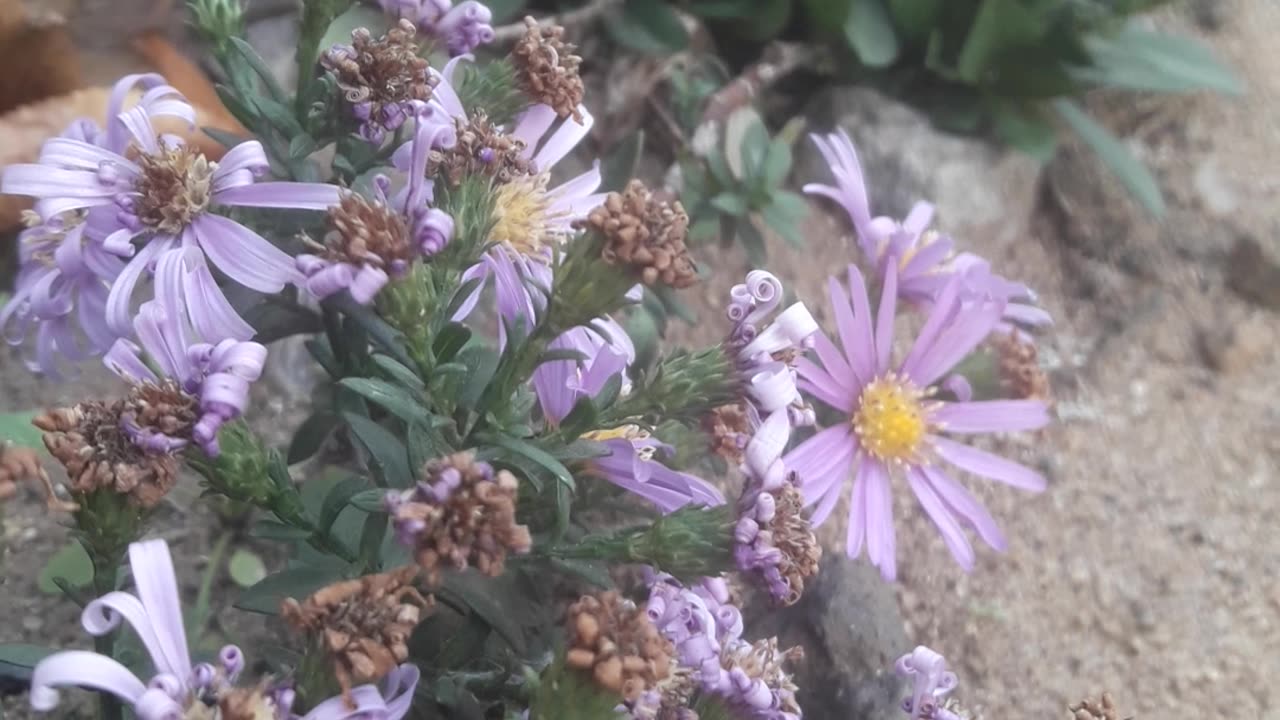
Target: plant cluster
[[484, 462]]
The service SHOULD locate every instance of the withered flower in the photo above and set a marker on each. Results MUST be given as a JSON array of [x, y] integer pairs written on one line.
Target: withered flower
[[363, 625], [730, 429], [758, 685], [21, 463], [618, 644], [462, 514], [1019, 368], [1103, 709], [91, 442], [382, 78], [646, 234], [480, 149], [547, 69]]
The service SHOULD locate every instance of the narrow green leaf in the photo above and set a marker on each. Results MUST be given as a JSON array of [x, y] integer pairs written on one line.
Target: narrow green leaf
[[387, 396], [269, 529], [536, 454], [302, 146], [298, 582], [71, 564], [870, 33], [337, 500], [1026, 133], [450, 341], [251, 57], [1117, 157], [777, 163], [369, 501], [311, 435], [246, 568], [999, 25], [482, 362], [784, 215], [1139, 59], [590, 571], [401, 374], [17, 660], [469, 591], [648, 26], [752, 242], [388, 458], [620, 165], [730, 204], [223, 137]]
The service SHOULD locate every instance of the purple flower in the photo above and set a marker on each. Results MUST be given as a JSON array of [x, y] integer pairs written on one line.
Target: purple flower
[[765, 357], [531, 219], [699, 621], [559, 384], [373, 241], [893, 425], [161, 193], [217, 374], [392, 702], [925, 260], [930, 681], [156, 616], [462, 28]]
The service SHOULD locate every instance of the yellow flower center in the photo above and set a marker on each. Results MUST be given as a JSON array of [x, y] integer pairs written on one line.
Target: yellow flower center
[[630, 432], [522, 215], [890, 419], [927, 238]]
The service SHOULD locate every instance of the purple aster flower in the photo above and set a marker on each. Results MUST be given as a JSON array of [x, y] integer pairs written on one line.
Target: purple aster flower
[[894, 426], [161, 192], [930, 681], [925, 260], [699, 621], [559, 384], [391, 702], [766, 357], [372, 241], [155, 614], [216, 375], [462, 27]]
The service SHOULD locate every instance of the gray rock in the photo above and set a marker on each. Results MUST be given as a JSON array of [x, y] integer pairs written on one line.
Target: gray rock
[[850, 627], [984, 194], [1254, 273]]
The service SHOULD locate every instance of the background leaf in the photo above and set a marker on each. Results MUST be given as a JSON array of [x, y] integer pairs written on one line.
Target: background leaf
[[246, 568], [870, 33], [18, 659], [1115, 155], [1139, 59], [71, 564], [17, 428], [649, 26]]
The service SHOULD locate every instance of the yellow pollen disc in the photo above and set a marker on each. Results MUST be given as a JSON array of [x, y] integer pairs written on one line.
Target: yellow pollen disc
[[630, 432], [890, 419], [522, 215]]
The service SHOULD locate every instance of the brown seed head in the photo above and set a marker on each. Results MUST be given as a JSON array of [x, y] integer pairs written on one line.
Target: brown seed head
[[383, 72], [97, 454], [547, 69], [463, 514], [363, 625], [362, 231], [762, 660], [1019, 368], [163, 407], [729, 427], [646, 234], [481, 149], [617, 643], [792, 533], [174, 188]]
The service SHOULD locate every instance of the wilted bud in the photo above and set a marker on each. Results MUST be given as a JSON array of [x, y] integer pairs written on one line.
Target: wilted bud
[[755, 683], [481, 149], [729, 428], [362, 625], [774, 541], [685, 386], [616, 643], [1019, 368], [547, 69], [381, 78], [646, 235]]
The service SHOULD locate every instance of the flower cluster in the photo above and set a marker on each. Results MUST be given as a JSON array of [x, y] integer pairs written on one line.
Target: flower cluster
[[615, 642], [646, 235], [462, 27], [381, 78], [547, 69]]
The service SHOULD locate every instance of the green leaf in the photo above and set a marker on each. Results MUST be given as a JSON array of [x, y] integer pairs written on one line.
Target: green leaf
[[277, 317], [777, 163], [472, 591], [311, 435], [387, 338], [387, 396], [401, 374], [251, 57], [449, 639], [915, 18], [589, 571], [752, 242], [650, 27], [723, 9], [388, 458], [269, 529], [298, 582], [482, 362], [70, 564], [870, 33], [620, 166], [785, 214], [1117, 157], [246, 568], [17, 660], [450, 341], [745, 141], [504, 11], [302, 146], [370, 501], [730, 204], [16, 428], [337, 500], [223, 137], [1026, 132], [999, 26], [1139, 59]]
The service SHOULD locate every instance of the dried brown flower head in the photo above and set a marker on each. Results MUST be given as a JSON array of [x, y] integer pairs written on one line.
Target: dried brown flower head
[[363, 625], [646, 234], [175, 187], [763, 661], [463, 514], [729, 428], [362, 231], [256, 703], [380, 76], [1019, 368], [481, 149], [547, 69], [615, 640], [162, 407], [791, 533], [21, 463], [1105, 709], [98, 454]]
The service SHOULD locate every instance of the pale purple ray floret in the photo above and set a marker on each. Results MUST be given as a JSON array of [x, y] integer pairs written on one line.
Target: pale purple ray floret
[[630, 463], [217, 374], [765, 352], [158, 194], [429, 229], [890, 423], [155, 614], [930, 681], [390, 702], [925, 260], [462, 27], [756, 550]]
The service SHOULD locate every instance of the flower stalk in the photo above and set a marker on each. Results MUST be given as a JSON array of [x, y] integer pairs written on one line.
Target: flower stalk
[[689, 543]]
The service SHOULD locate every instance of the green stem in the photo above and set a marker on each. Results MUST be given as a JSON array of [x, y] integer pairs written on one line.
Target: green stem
[[206, 583], [105, 568]]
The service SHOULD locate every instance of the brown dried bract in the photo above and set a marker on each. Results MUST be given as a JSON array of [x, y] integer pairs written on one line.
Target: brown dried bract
[[728, 426], [793, 535], [363, 231], [1019, 368], [547, 69], [475, 525], [20, 463], [163, 407], [362, 624], [382, 72], [764, 661], [481, 149], [97, 454], [1105, 709], [646, 234], [175, 187], [615, 640]]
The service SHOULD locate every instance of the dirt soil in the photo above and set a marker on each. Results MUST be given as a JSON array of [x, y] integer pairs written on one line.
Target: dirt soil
[[1149, 568]]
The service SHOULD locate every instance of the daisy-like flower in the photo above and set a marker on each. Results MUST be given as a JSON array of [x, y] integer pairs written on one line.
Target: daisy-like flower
[[931, 682], [178, 686], [373, 240], [531, 218], [925, 259], [462, 27], [212, 379], [893, 426], [162, 193]]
